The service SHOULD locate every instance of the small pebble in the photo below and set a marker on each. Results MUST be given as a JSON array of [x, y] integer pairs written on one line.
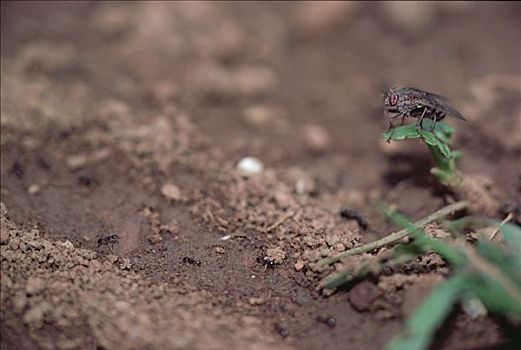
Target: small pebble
[[284, 307], [256, 301], [171, 191], [410, 16], [317, 138], [34, 316], [315, 18], [33, 189], [34, 285], [67, 244], [76, 161], [20, 302], [125, 264], [302, 296], [155, 238], [277, 255], [250, 166], [474, 308], [363, 295], [328, 320], [264, 117], [282, 329], [340, 247], [4, 236], [331, 322]]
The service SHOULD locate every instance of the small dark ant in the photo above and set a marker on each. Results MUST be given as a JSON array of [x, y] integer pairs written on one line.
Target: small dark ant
[[87, 181], [353, 214], [108, 240], [267, 262], [191, 261], [17, 170], [43, 163]]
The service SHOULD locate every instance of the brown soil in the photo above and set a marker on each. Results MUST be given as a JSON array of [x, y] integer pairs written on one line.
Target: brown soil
[[125, 221]]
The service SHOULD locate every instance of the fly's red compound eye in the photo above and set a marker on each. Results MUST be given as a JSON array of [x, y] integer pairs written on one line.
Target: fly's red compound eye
[[393, 100]]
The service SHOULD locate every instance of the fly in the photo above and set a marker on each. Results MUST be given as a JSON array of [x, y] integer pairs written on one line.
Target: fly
[[415, 103]]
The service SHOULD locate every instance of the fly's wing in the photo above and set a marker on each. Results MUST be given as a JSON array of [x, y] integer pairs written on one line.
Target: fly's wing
[[440, 103]]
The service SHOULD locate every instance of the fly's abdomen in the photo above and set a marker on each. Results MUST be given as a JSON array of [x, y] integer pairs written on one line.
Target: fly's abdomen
[[440, 115]]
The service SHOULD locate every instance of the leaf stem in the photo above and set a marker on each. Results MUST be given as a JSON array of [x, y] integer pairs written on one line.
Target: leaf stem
[[395, 236]]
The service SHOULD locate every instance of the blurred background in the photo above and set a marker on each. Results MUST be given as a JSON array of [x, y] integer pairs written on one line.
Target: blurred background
[[280, 81], [235, 66]]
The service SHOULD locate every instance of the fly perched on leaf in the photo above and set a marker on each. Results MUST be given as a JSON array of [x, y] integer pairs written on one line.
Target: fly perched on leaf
[[416, 103]]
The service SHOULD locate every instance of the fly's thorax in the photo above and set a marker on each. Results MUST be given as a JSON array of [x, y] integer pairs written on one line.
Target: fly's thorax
[[406, 106]]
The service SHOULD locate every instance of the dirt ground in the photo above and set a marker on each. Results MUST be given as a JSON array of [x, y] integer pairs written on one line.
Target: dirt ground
[[125, 221]]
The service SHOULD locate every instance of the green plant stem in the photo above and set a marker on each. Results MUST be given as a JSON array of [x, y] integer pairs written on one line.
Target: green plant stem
[[446, 169], [395, 236], [443, 163], [424, 241]]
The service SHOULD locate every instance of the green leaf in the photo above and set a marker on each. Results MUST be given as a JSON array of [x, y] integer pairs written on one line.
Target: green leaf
[[401, 133], [495, 297], [512, 236], [435, 141], [440, 138], [422, 325], [456, 155], [442, 130], [504, 257]]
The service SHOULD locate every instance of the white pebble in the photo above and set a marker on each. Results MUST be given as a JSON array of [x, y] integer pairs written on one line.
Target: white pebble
[[171, 191], [248, 166], [474, 308], [33, 189]]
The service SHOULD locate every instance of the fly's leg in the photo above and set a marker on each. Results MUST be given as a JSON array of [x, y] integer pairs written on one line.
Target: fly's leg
[[437, 117], [434, 123], [419, 123], [391, 126], [390, 123]]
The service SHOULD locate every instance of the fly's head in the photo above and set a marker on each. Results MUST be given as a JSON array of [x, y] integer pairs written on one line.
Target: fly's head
[[391, 100], [402, 100]]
